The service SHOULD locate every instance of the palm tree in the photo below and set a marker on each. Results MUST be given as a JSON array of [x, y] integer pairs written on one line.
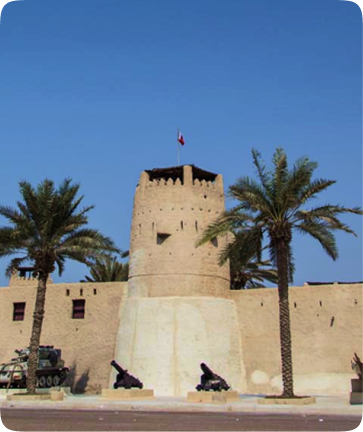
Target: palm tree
[[274, 206], [46, 229], [107, 269], [249, 272]]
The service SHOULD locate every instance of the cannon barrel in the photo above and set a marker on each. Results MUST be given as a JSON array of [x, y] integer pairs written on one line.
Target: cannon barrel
[[206, 369], [118, 367]]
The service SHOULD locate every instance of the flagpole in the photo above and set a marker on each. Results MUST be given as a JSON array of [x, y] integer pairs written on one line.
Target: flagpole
[[178, 147]]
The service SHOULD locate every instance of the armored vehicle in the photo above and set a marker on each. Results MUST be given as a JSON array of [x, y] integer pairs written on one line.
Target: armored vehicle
[[50, 372]]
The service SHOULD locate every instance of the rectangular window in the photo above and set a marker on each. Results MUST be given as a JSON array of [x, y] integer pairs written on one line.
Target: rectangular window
[[161, 237], [19, 311], [78, 309]]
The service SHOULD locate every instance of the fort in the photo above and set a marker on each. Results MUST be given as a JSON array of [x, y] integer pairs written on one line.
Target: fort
[[177, 310]]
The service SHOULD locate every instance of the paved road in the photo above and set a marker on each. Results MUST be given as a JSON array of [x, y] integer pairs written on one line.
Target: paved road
[[67, 420]]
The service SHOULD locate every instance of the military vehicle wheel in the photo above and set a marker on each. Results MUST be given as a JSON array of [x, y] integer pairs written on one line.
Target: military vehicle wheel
[[49, 381], [22, 383], [42, 381], [56, 380], [62, 376]]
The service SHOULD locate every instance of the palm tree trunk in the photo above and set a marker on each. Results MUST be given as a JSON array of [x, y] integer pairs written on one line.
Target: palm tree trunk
[[36, 332], [284, 319]]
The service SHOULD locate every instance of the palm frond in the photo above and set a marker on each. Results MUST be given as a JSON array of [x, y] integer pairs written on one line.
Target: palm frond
[[246, 243], [310, 190], [251, 196], [280, 174], [108, 269], [298, 179], [229, 220], [14, 264], [323, 234], [263, 174]]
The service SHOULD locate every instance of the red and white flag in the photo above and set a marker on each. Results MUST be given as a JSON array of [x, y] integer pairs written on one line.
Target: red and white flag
[[181, 138]]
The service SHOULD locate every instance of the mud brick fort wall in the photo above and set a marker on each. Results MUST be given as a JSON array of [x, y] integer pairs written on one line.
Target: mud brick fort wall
[[177, 311]]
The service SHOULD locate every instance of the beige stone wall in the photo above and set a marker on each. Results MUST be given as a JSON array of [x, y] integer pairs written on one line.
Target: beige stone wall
[[163, 340], [326, 323], [176, 267], [88, 344]]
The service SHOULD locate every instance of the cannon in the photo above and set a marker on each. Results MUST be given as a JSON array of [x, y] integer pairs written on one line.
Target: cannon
[[211, 381], [124, 379], [357, 366]]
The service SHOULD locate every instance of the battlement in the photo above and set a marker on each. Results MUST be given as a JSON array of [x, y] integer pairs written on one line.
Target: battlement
[[170, 182], [25, 276], [181, 176], [180, 173]]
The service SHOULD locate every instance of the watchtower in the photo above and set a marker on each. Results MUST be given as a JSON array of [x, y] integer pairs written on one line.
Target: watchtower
[[25, 276], [178, 312], [172, 207]]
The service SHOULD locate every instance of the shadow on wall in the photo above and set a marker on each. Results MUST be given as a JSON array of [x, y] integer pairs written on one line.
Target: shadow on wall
[[78, 384]]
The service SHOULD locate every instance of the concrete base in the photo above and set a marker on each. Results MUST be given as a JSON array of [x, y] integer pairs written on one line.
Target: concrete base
[[280, 401], [123, 394], [212, 396], [357, 385], [26, 397], [54, 395], [65, 390], [356, 398]]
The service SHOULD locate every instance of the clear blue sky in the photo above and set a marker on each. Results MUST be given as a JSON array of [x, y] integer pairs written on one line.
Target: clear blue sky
[[95, 89]]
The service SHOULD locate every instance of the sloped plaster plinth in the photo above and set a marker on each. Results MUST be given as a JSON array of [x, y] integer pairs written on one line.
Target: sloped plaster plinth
[[162, 342]]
